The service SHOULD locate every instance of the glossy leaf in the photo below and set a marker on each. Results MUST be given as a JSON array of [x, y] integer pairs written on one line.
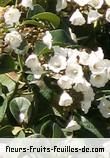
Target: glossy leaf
[[6, 81], [20, 105], [50, 17], [87, 125], [46, 129], [37, 9], [40, 48], [61, 37]]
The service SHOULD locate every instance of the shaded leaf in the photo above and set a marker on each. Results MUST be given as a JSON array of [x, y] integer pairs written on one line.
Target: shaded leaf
[[86, 124], [57, 132], [37, 9], [47, 93], [7, 63], [6, 132], [40, 48], [46, 129], [42, 105], [61, 37]]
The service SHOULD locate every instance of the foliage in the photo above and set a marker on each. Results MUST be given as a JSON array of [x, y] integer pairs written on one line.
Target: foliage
[[29, 95]]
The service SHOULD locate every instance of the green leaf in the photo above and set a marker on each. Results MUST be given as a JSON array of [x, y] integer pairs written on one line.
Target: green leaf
[[21, 134], [50, 17], [40, 48], [6, 81], [20, 105], [33, 22], [57, 132], [7, 63], [42, 105], [86, 124], [46, 129], [3, 3], [61, 37], [37, 9], [6, 132], [47, 93], [3, 107]]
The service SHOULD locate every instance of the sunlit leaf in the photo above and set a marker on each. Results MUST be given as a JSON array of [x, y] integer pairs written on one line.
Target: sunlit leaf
[[50, 17], [20, 105]]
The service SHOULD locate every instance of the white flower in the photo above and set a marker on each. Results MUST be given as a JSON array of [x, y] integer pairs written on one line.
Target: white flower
[[37, 71], [77, 18], [73, 55], [74, 71], [65, 82], [108, 15], [81, 85], [99, 80], [72, 126], [27, 3], [96, 56], [83, 58], [107, 2], [84, 86], [100, 66], [57, 63], [85, 105], [61, 4], [88, 94], [65, 99], [73, 35], [60, 51], [14, 39], [88, 98], [93, 15], [47, 39], [33, 63], [104, 107], [108, 73], [97, 4], [81, 2], [12, 16]]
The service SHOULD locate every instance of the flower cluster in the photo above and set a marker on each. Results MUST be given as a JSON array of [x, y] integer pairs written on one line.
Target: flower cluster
[[90, 14], [12, 17], [75, 69]]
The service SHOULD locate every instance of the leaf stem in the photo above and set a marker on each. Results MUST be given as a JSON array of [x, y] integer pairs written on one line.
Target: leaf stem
[[20, 63]]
